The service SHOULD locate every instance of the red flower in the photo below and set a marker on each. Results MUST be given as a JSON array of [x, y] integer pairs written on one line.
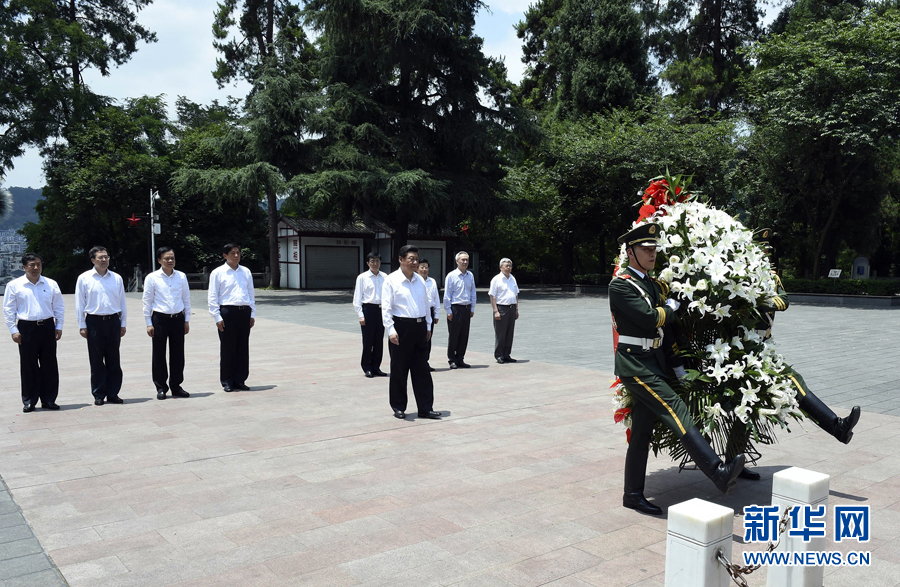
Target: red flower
[[620, 414], [646, 211], [616, 382], [628, 436]]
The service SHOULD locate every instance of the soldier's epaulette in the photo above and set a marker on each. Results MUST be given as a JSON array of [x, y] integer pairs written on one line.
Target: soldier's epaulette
[[624, 276]]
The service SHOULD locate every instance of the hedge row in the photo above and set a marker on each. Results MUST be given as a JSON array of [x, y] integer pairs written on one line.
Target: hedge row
[[855, 287]]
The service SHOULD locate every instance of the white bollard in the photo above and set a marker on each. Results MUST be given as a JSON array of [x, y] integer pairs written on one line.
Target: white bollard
[[697, 530], [798, 487]]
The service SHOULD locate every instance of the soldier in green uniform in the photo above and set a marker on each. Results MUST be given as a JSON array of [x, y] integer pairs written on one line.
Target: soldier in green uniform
[[815, 409], [641, 312]]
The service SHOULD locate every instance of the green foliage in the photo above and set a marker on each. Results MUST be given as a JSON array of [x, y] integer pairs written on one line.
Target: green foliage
[[47, 45], [583, 56], [825, 103], [405, 138], [853, 287]]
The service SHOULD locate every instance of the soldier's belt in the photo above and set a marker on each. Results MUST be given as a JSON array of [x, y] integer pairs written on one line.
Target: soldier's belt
[[646, 343]]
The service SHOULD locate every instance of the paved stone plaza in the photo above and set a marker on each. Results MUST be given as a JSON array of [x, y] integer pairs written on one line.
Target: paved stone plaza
[[308, 479]]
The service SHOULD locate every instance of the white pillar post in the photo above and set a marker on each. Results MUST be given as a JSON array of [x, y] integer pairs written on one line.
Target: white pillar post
[[697, 530], [798, 487]]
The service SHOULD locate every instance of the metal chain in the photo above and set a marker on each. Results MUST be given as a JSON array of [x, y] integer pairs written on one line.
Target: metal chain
[[737, 572]]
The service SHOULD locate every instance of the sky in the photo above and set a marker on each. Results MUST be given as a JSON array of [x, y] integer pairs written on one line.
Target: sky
[[181, 61]]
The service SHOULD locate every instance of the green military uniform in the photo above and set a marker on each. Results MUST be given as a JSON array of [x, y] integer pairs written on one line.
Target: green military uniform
[[640, 318]]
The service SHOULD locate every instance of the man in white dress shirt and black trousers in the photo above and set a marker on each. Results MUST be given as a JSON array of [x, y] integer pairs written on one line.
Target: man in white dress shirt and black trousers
[[504, 295], [101, 312], [434, 299], [167, 311], [34, 311], [406, 316], [459, 302], [367, 304], [232, 304]]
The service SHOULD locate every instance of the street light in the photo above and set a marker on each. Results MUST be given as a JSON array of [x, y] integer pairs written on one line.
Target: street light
[[155, 227]]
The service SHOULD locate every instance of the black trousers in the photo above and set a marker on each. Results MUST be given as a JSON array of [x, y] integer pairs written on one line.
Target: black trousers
[[234, 345], [372, 338], [37, 362], [459, 333], [168, 329], [504, 328], [103, 339], [410, 357], [428, 344]]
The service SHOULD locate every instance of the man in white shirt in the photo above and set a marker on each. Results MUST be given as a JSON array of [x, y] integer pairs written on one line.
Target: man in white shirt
[[101, 312], [434, 300], [459, 302], [34, 312], [367, 304], [406, 315], [232, 304], [167, 311], [504, 294]]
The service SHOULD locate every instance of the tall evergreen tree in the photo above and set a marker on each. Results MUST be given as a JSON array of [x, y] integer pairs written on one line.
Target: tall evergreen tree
[[406, 137], [583, 56], [46, 47]]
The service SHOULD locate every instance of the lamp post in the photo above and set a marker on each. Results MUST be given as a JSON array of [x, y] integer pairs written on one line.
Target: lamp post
[[154, 228]]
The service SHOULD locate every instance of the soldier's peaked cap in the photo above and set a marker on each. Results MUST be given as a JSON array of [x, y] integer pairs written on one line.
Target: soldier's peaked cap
[[762, 235], [644, 235]]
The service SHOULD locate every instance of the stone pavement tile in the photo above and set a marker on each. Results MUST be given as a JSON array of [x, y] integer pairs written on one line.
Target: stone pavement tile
[[549, 539], [359, 509], [547, 567], [44, 578], [621, 542], [569, 581], [292, 523], [87, 572], [385, 565], [23, 565], [15, 533], [321, 557], [253, 576], [68, 538], [881, 573], [11, 519], [476, 537], [634, 567], [102, 548], [17, 548]]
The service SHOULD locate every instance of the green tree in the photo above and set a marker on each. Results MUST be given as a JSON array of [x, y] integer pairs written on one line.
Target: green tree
[[46, 47], [698, 43], [270, 50], [405, 136], [583, 56], [826, 107]]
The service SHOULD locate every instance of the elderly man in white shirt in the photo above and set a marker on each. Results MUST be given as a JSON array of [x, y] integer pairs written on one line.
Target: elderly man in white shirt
[[167, 311], [232, 304], [504, 294], [434, 299], [406, 314], [101, 312], [459, 302], [34, 312], [367, 304]]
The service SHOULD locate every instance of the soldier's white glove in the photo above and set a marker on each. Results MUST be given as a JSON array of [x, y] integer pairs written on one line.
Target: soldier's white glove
[[680, 373], [674, 304]]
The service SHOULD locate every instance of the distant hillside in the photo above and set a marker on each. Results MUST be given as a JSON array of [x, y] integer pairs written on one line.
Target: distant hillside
[[24, 200]]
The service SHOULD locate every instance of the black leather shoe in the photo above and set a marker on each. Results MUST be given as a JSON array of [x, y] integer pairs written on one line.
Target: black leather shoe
[[115, 400], [227, 388], [27, 408], [500, 360], [180, 393], [432, 369], [432, 415], [98, 402], [843, 428], [637, 501], [380, 373], [162, 394], [453, 365], [510, 360], [369, 374], [49, 406], [399, 415], [241, 386], [462, 365], [748, 475]]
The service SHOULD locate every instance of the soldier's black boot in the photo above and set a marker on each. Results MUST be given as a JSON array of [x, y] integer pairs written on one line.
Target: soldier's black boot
[[635, 473], [722, 474], [840, 428]]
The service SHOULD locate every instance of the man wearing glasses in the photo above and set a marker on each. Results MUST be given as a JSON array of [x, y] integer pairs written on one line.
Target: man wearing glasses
[[100, 309], [406, 314], [34, 312], [367, 304]]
